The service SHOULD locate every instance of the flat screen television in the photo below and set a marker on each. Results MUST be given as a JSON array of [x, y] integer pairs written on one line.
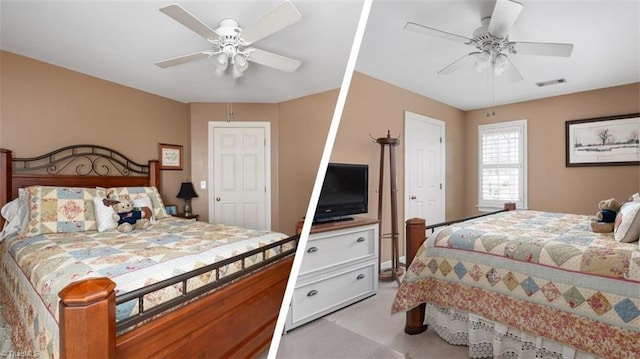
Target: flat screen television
[[345, 192]]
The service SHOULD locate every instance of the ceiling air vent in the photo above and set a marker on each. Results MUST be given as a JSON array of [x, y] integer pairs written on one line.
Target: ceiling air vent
[[551, 82]]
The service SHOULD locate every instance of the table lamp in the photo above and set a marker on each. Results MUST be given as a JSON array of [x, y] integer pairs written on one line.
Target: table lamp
[[187, 192]]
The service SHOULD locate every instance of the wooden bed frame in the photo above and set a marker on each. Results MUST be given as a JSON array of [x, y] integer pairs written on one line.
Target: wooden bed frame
[[237, 319]]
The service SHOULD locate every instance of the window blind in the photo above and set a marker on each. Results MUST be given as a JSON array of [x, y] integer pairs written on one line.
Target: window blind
[[502, 164]]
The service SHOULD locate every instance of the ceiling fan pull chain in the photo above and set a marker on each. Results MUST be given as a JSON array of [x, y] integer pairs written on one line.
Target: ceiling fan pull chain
[[229, 111]]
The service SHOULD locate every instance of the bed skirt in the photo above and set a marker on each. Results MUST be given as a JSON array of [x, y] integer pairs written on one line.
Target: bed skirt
[[488, 339]]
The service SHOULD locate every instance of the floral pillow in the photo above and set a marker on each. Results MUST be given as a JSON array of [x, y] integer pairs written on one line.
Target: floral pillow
[[59, 210], [139, 193]]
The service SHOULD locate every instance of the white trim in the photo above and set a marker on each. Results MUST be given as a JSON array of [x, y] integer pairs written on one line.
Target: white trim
[[267, 161], [517, 125]]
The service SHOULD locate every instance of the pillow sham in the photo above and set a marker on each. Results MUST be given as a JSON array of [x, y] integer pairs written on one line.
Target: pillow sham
[[104, 215], [133, 193], [59, 210], [627, 224]]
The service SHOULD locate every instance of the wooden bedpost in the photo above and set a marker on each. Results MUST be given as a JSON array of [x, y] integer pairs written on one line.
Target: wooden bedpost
[[6, 176], [154, 173], [88, 319], [509, 206], [415, 236]]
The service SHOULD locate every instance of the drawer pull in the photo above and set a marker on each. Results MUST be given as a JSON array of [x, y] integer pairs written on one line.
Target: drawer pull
[[312, 249], [360, 276], [361, 239], [312, 293]]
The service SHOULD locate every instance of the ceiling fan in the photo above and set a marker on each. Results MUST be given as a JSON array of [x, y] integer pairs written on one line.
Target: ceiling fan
[[491, 41], [231, 44]]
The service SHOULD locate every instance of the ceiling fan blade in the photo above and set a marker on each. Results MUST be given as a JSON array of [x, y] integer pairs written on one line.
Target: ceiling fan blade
[[183, 59], [512, 73], [541, 48], [275, 20], [465, 60], [184, 17], [275, 61], [421, 29], [504, 16]]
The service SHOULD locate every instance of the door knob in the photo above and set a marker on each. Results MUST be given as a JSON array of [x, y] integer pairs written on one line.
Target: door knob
[[413, 196], [218, 199]]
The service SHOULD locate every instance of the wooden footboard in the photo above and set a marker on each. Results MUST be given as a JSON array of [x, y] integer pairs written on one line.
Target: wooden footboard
[[415, 235], [235, 321]]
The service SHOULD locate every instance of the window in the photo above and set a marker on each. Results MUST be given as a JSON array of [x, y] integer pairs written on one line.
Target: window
[[502, 165]]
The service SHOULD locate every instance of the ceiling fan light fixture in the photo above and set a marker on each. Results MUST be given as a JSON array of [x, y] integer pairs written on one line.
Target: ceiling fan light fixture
[[500, 64], [229, 41], [240, 62], [221, 64], [483, 61]]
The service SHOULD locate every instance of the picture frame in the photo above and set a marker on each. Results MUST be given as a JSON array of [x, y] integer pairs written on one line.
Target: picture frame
[[171, 209], [603, 141], [170, 156]]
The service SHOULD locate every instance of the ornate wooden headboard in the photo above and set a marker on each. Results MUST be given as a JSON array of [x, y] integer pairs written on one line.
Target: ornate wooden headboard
[[73, 166]]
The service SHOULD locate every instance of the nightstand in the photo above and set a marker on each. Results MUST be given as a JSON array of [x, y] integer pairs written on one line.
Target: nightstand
[[191, 216]]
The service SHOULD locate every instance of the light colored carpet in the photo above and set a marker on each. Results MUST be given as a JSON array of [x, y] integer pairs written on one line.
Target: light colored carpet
[[324, 339], [366, 330]]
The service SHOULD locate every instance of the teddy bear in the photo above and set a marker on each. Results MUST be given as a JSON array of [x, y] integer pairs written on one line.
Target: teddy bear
[[605, 218], [129, 218]]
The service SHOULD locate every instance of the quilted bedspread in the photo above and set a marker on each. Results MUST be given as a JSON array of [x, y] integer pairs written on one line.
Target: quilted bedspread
[[132, 260], [545, 273]]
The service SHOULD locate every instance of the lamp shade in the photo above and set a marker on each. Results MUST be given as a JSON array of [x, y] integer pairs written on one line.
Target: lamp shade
[[221, 64], [186, 191]]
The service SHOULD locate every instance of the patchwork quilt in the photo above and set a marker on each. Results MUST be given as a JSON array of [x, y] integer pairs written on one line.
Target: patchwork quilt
[[545, 273], [47, 263]]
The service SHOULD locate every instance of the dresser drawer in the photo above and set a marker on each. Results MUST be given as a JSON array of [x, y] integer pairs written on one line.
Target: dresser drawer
[[336, 290], [337, 247]]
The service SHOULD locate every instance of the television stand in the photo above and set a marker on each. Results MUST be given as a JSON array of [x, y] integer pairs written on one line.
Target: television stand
[[339, 268], [333, 219]]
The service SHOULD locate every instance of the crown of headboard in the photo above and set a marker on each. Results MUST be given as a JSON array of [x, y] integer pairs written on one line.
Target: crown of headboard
[[74, 166]]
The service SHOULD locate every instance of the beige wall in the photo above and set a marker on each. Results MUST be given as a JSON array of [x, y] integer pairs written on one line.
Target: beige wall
[[374, 107], [552, 186], [45, 107], [303, 127]]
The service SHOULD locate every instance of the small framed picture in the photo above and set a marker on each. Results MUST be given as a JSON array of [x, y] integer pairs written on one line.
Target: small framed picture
[[171, 210], [170, 156]]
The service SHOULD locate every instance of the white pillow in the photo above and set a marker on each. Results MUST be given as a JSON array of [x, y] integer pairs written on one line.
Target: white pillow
[[145, 202], [627, 224], [104, 215], [15, 214]]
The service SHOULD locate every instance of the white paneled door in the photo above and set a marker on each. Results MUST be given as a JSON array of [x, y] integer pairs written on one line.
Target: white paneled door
[[240, 175], [424, 168]]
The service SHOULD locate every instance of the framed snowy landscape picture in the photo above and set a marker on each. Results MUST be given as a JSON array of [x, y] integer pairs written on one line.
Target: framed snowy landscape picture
[[604, 141]]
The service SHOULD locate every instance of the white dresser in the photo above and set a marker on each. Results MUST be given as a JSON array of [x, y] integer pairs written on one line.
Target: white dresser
[[340, 267]]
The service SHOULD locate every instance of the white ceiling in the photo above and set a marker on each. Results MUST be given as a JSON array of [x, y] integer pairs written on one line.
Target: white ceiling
[[120, 40], [605, 34]]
